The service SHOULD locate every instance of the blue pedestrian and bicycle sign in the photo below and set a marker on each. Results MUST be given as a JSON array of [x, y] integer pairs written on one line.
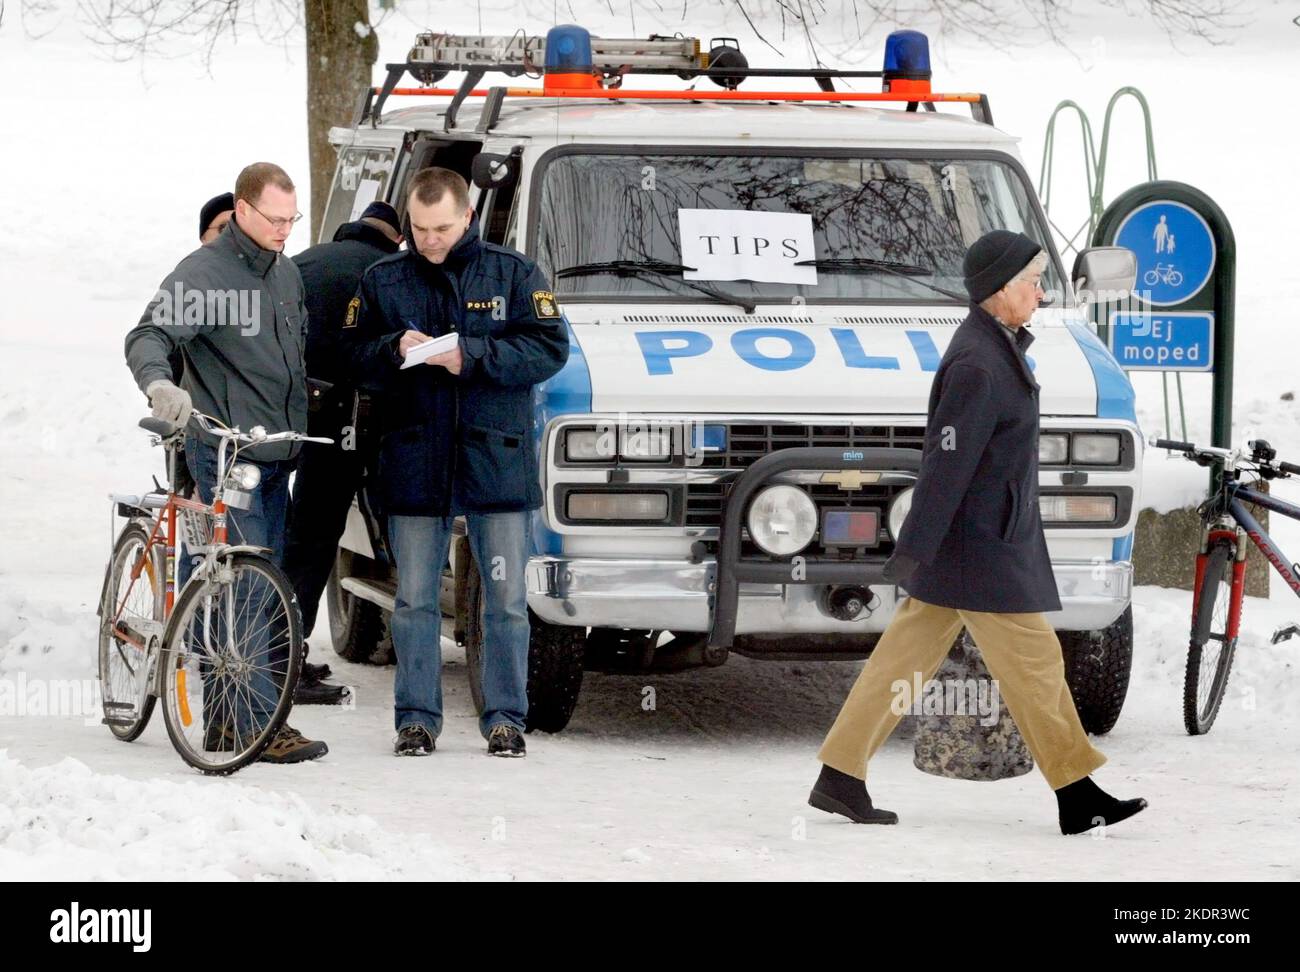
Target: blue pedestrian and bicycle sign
[[1175, 251]]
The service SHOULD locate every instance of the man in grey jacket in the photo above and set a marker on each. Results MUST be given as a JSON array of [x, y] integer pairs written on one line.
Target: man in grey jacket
[[234, 308]]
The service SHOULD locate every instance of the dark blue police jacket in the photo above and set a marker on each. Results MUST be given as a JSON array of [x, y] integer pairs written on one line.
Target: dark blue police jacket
[[456, 444]]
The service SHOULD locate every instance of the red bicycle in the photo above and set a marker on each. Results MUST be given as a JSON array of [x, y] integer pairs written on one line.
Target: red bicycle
[[223, 653], [1227, 524]]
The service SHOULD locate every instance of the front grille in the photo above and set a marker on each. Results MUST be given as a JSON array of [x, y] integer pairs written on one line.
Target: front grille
[[749, 442]]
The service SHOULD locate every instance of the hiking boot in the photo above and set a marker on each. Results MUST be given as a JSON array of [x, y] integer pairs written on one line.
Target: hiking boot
[[413, 740], [836, 792], [290, 746], [505, 740]]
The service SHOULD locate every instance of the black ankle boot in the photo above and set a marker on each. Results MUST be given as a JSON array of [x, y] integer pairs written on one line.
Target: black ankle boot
[[1084, 805], [837, 792]]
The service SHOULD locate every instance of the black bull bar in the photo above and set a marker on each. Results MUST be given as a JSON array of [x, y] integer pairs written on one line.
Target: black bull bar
[[734, 570]]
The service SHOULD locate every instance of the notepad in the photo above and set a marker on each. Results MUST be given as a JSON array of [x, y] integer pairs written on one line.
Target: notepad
[[434, 346]]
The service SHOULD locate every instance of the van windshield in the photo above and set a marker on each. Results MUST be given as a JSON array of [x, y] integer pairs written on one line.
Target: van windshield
[[844, 229]]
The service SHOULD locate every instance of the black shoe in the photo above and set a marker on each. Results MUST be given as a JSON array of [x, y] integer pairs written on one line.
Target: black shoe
[[290, 746], [1084, 805], [505, 740], [320, 693], [414, 740], [218, 737], [314, 673], [837, 792]]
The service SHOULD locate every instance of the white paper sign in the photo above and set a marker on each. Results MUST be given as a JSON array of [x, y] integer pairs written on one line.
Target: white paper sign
[[366, 193], [735, 244]]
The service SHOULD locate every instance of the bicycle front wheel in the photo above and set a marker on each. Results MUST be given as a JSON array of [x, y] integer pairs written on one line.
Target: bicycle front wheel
[[231, 659], [1212, 646], [130, 617]]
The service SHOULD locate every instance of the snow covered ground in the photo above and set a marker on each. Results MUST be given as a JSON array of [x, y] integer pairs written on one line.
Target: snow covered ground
[[101, 183]]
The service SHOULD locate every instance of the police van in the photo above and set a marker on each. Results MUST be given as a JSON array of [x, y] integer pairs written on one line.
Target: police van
[[760, 270]]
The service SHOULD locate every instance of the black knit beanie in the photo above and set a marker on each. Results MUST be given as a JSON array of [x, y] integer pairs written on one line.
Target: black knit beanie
[[213, 208], [994, 259]]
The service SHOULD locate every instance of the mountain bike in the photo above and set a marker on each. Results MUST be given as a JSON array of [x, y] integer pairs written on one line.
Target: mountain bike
[[1226, 524]]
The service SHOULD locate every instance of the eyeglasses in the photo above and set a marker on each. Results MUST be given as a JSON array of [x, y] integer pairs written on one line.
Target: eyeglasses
[[277, 222]]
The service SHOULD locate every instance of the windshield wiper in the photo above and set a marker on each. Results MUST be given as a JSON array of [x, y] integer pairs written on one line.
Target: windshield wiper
[[908, 271], [656, 271]]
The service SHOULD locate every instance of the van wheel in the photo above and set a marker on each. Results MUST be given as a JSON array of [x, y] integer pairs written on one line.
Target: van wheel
[[358, 629], [1097, 669], [555, 656]]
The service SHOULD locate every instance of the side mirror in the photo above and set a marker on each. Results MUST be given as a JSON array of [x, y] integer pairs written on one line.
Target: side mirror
[[1103, 274], [489, 171]]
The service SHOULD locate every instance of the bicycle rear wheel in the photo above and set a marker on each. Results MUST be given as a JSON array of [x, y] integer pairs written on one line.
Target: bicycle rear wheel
[[231, 659], [1212, 647], [130, 615]]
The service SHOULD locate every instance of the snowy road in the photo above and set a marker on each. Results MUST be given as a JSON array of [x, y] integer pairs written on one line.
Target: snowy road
[[710, 784]]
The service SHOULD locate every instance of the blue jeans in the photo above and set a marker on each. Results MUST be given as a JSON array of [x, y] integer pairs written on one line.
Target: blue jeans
[[499, 542], [263, 525]]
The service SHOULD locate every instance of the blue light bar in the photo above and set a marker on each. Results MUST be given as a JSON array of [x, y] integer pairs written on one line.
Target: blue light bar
[[568, 50]]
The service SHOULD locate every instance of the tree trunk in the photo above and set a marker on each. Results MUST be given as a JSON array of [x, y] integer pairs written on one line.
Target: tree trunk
[[339, 61]]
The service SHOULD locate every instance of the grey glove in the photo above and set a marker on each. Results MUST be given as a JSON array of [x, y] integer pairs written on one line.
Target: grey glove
[[171, 404]]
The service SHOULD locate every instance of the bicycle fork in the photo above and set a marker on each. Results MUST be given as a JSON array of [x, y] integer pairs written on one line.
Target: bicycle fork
[[1236, 537]]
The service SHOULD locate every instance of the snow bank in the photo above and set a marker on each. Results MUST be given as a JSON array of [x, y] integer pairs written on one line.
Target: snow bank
[[64, 822]]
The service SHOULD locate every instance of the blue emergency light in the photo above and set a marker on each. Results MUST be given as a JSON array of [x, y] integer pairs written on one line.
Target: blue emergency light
[[907, 56], [568, 50]]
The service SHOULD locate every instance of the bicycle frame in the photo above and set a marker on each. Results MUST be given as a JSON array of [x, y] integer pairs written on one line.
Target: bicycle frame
[[1230, 506]]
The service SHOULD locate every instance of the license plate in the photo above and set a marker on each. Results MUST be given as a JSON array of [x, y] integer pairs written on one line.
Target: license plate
[[851, 528]]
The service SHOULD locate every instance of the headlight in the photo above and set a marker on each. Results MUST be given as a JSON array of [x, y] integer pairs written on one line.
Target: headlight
[[1053, 450], [782, 520], [1092, 508], [1096, 448], [617, 506], [243, 475], [898, 511], [646, 444], [590, 445]]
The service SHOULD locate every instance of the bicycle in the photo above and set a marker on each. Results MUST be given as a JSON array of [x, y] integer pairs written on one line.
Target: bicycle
[[1221, 568], [1162, 274], [223, 652]]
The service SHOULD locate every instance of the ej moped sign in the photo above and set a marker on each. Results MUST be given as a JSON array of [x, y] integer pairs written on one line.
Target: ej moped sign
[[736, 244]]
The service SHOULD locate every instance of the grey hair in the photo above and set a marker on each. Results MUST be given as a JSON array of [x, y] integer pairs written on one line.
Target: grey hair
[[1037, 265]]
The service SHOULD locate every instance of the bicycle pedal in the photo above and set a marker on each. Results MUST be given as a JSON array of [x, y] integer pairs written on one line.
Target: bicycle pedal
[[116, 722], [1285, 633], [120, 705]]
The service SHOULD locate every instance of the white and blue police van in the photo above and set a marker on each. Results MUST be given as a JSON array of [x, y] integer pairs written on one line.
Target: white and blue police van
[[759, 285]]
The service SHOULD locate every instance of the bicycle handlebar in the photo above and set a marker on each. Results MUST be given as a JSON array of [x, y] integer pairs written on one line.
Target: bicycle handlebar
[[1232, 456], [207, 423]]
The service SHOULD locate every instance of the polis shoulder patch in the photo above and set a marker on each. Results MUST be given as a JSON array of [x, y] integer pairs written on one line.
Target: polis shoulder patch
[[353, 306], [544, 304]]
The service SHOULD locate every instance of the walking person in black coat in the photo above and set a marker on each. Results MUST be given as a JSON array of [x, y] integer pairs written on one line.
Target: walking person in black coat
[[329, 475], [972, 554]]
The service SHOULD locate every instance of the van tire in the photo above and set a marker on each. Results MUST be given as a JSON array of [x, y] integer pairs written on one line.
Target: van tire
[[1097, 669]]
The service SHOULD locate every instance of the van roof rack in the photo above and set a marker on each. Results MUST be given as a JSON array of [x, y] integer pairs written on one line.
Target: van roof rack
[[573, 64]]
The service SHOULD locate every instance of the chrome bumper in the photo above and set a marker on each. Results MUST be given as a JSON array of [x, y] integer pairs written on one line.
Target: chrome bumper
[[674, 595]]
